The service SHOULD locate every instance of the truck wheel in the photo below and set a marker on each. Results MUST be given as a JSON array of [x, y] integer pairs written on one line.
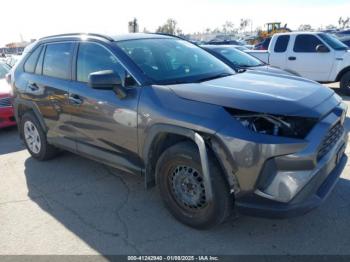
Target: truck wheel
[[35, 138], [180, 181], [345, 83]]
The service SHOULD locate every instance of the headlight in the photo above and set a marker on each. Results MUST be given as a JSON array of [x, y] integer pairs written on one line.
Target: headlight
[[287, 126]]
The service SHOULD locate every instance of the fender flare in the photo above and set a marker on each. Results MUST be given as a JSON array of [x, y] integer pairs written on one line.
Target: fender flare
[[189, 133], [32, 106], [342, 72]]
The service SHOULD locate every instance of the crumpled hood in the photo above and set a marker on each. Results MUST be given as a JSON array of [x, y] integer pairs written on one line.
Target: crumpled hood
[[264, 93]]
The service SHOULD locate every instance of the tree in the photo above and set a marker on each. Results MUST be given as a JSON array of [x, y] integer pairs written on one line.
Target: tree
[[170, 27], [344, 23], [305, 28], [228, 28], [243, 24]]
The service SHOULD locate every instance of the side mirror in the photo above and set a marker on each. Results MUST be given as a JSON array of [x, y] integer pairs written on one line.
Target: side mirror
[[322, 49], [107, 80]]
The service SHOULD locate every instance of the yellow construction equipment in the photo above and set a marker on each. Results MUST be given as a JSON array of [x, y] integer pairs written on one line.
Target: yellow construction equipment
[[272, 28]]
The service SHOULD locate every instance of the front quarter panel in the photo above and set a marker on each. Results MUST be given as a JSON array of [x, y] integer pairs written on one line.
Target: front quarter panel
[[160, 106]]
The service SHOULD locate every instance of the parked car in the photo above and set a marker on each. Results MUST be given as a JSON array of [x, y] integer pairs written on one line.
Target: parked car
[[224, 42], [343, 32], [345, 40], [6, 109], [263, 45], [237, 59], [164, 108], [317, 56]]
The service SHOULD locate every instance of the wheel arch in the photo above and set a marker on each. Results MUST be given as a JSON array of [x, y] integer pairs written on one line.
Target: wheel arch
[[341, 73], [23, 106], [161, 137]]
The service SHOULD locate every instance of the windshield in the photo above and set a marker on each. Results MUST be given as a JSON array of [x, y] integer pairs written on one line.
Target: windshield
[[3, 70], [333, 42], [169, 61], [238, 58]]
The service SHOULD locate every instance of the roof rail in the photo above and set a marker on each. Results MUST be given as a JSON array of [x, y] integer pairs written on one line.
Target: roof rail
[[72, 34]]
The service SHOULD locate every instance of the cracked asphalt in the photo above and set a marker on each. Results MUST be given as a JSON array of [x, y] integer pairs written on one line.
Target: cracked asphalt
[[72, 205]]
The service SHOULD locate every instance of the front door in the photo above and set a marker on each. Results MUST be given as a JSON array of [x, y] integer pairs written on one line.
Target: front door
[[105, 125], [308, 63]]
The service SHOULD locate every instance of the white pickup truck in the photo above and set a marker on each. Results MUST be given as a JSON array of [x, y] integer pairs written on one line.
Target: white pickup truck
[[317, 56]]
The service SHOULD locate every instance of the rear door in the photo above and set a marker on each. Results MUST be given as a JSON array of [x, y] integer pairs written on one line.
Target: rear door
[[306, 61], [278, 57], [48, 79], [105, 125]]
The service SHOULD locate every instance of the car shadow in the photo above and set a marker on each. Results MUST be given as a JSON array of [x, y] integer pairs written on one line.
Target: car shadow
[[9, 141]]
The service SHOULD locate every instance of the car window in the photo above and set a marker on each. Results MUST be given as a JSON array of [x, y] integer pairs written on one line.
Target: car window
[[168, 61], [57, 60], [281, 43], [306, 43], [238, 58], [29, 65], [93, 57]]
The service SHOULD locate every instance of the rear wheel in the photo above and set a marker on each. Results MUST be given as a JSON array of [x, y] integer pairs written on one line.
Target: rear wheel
[[181, 184], [35, 138], [345, 83]]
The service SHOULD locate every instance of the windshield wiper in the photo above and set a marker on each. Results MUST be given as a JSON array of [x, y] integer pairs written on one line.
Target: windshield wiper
[[213, 77]]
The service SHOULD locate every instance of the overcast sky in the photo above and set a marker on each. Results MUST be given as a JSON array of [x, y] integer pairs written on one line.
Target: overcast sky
[[35, 18]]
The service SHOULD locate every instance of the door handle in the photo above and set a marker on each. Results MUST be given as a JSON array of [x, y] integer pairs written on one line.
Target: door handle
[[33, 86], [75, 99], [292, 58]]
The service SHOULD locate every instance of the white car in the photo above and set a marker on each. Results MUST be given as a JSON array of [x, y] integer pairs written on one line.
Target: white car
[[314, 55]]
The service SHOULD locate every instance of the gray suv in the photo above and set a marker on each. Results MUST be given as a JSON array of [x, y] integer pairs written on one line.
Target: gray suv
[[210, 138]]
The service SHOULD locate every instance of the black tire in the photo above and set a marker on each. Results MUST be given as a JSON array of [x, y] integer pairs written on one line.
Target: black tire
[[206, 215], [46, 151], [345, 84]]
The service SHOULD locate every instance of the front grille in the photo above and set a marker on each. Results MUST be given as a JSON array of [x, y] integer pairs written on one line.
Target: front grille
[[330, 140], [5, 102]]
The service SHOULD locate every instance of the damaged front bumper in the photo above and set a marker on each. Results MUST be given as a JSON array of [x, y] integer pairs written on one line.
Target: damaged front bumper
[[287, 179]]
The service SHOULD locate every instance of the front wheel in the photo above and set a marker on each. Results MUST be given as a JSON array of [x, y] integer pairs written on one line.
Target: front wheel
[[345, 83], [180, 181]]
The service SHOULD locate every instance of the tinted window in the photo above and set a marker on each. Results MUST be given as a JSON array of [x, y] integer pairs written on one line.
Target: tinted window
[[30, 64], [168, 61], [306, 43], [57, 60], [238, 58], [93, 58], [282, 43]]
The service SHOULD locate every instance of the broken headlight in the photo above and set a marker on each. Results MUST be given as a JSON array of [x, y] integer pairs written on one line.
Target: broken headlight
[[268, 124]]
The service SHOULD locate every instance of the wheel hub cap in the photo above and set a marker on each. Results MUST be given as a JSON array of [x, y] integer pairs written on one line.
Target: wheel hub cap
[[188, 187], [32, 138]]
